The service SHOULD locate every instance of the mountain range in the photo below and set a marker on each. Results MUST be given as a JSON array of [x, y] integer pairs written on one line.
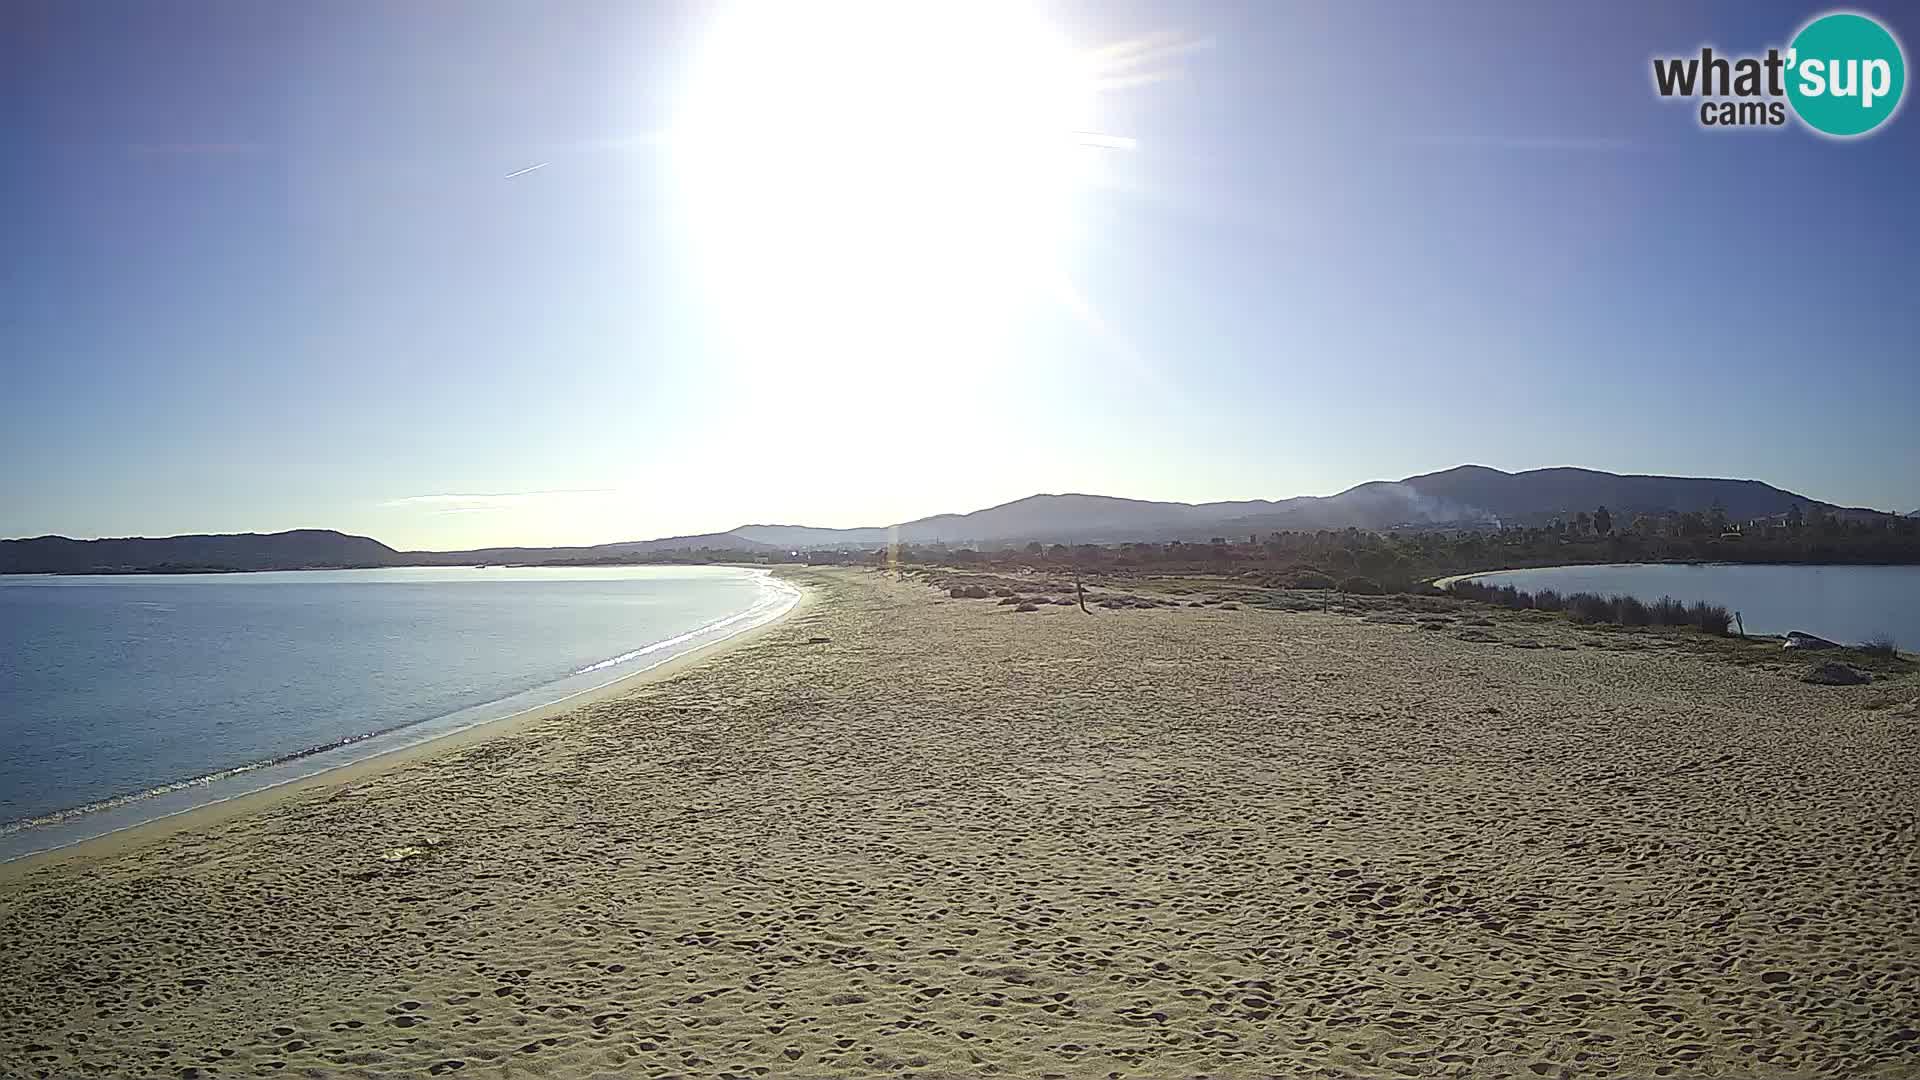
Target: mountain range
[[1470, 495], [1467, 495]]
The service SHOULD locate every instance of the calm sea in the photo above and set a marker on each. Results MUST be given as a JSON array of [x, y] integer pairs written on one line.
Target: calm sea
[[130, 697], [1849, 604]]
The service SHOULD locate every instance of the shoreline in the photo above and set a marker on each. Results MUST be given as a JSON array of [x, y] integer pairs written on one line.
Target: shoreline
[[220, 810], [1443, 582], [204, 571], [164, 571], [908, 834]]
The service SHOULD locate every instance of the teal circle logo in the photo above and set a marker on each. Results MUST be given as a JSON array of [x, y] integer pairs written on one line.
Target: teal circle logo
[[1845, 74]]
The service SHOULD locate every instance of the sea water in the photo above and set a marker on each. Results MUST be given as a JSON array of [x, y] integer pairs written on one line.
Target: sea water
[[125, 698]]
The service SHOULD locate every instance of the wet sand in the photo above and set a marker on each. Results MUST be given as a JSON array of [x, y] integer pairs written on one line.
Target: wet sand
[[957, 840]]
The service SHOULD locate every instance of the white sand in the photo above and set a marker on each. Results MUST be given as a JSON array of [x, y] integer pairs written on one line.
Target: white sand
[[957, 840]]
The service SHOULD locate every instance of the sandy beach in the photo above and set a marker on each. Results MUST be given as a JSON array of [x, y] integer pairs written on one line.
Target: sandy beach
[[955, 839]]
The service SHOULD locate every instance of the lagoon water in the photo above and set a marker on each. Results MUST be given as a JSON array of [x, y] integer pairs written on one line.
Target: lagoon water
[[126, 698], [1849, 604]]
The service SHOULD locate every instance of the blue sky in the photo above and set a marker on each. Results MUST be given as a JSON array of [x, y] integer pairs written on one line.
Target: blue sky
[[265, 269]]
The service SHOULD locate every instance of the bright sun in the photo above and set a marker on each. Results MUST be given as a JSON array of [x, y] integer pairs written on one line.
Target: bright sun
[[909, 159]]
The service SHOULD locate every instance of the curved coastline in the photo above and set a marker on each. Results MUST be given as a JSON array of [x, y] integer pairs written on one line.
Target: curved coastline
[[719, 637], [1443, 582]]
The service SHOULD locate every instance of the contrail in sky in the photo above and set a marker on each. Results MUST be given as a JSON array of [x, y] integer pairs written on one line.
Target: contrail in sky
[[525, 171]]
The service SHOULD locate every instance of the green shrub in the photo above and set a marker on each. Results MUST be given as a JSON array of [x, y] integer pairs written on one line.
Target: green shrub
[[1362, 586]]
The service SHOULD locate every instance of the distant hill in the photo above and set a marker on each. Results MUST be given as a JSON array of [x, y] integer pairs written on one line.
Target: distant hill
[[1052, 517], [598, 552], [297, 550], [1083, 518], [1470, 495], [1565, 490], [806, 536], [1475, 494], [305, 549]]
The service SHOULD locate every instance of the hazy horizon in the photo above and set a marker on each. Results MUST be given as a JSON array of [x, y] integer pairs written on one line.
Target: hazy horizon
[[867, 524], [501, 275]]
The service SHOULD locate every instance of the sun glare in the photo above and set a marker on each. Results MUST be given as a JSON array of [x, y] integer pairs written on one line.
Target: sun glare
[[904, 161]]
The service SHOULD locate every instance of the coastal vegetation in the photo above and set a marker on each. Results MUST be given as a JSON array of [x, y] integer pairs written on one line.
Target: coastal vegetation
[[1352, 567], [1359, 561], [1586, 607]]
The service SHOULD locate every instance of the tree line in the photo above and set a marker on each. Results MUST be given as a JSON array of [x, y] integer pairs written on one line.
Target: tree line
[[1401, 559]]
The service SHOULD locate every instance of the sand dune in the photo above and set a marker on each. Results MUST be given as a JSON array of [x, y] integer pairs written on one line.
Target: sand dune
[[958, 840]]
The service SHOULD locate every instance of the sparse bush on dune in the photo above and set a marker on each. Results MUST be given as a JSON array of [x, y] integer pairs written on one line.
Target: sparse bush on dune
[[1308, 578], [1504, 596], [1631, 612], [1586, 607], [1468, 590], [1712, 618], [1882, 646], [1670, 612], [1835, 674], [1362, 586]]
